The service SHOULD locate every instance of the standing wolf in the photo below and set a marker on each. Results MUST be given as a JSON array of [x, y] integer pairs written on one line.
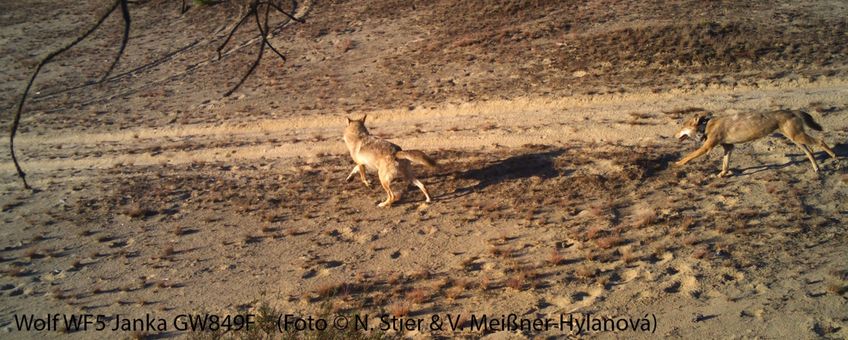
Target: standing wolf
[[385, 157]]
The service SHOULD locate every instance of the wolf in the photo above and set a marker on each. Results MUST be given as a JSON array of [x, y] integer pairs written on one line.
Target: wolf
[[745, 127], [388, 159]]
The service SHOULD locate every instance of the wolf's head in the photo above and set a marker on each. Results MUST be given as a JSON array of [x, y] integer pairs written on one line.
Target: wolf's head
[[695, 126], [356, 126]]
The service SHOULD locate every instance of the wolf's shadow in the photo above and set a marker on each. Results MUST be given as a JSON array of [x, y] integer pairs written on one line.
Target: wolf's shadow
[[525, 165], [841, 150]]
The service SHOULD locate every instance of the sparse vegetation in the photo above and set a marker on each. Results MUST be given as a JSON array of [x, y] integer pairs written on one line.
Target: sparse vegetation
[[248, 191]]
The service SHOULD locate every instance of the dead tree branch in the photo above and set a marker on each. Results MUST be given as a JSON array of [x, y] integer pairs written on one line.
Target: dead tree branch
[[254, 8], [125, 13], [263, 28], [16, 121], [264, 33]]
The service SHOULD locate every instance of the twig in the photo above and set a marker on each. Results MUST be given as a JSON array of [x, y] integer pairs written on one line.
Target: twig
[[233, 31], [255, 62], [287, 13], [264, 33], [14, 129], [125, 11]]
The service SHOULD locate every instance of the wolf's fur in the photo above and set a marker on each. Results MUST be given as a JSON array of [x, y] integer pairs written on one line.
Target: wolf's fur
[[746, 127], [386, 158]]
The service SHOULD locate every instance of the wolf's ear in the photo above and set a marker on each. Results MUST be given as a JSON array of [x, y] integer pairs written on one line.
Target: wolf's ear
[[348, 119], [363, 118], [703, 116]]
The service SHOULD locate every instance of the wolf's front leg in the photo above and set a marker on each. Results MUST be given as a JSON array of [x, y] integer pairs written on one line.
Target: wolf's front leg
[[708, 145], [361, 170], [362, 175]]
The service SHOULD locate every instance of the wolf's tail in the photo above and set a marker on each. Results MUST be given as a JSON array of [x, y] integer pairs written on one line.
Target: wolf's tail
[[416, 156], [809, 121]]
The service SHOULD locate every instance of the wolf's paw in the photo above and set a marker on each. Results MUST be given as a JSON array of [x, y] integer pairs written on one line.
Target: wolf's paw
[[368, 184], [385, 204], [679, 163]]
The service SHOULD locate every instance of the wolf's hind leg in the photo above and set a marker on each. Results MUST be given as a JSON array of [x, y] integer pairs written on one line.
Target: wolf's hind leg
[[826, 148], [407, 174], [725, 162], [423, 189], [386, 182], [804, 141], [809, 154]]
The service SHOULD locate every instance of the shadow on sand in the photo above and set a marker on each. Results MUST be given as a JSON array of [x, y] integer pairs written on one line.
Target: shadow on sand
[[525, 165], [799, 159]]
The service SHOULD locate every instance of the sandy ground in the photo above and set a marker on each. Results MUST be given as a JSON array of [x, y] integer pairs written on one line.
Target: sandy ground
[[544, 205]]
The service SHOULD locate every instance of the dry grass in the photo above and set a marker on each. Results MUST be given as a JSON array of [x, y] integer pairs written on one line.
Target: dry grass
[[485, 283], [34, 254], [691, 240], [87, 232], [644, 218], [554, 257], [595, 231], [701, 252], [454, 292], [398, 309], [168, 254], [609, 241], [586, 272], [443, 283], [837, 288], [345, 45], [517, 281], [395, 278], [16, 272], [181, 231], [686, 223], [419, 295], [333, 289], [629, 256], [137, 210], [423, 274], [58, 294]]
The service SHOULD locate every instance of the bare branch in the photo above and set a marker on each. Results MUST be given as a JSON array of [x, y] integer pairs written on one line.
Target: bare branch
[[14, 129], [264, 33], [255, 62], [287, 13], [233, 31], [125, 11]]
